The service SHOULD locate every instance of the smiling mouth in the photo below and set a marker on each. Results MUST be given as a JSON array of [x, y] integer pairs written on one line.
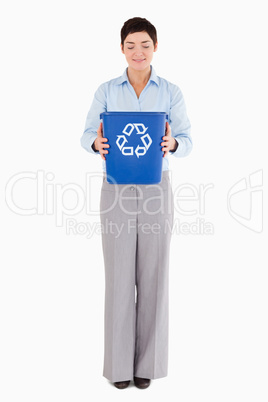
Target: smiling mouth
[[139, 60]]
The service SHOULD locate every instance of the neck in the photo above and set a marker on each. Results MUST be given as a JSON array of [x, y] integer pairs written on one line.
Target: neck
[[138, 77]]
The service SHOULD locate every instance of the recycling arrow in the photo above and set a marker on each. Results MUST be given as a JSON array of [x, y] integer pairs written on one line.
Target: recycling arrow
[[147, 144], [138, 148], [131, 129], [120, 145], [140, 125], [127, 151]]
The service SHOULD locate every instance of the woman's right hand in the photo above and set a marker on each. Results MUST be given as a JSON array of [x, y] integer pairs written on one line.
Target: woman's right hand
[[100, 143]]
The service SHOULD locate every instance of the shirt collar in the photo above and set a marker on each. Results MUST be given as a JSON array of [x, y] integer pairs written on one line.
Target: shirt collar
[[124, 77]]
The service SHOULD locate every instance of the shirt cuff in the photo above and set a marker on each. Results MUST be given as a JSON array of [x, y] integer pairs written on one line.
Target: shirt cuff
[[93, 147], [176, 146]]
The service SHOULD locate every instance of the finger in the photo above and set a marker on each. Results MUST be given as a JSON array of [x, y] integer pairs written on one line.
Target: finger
[[165, 154], [102, 156], [103, 139], [165, 149], [168, 129], [166, 126], [99, 131], [167, 142]]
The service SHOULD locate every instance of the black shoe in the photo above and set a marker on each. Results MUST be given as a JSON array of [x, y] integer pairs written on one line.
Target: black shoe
[[121, 384], [142, 383]]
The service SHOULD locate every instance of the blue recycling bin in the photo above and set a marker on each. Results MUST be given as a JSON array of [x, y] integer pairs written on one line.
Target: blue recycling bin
[[135, 154]]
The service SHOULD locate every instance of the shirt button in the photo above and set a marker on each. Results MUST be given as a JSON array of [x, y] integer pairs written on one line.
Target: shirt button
[[132, 188]]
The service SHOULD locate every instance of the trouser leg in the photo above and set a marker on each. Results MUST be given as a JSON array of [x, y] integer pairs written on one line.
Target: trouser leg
[[152, 274], [119, 250]]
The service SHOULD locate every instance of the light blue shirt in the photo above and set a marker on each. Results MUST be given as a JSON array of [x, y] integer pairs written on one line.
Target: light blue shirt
[[159, 95]]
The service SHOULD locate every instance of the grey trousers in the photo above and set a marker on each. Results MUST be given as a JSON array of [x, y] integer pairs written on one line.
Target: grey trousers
[[136, 225]]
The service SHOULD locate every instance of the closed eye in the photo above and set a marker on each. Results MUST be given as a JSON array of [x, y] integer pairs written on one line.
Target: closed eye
[[145, 47]]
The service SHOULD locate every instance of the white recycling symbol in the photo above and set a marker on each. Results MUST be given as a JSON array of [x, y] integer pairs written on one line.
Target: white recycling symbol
[[145, 138]]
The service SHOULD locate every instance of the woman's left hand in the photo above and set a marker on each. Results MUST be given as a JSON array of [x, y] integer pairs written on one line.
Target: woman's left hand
[[169, 144]]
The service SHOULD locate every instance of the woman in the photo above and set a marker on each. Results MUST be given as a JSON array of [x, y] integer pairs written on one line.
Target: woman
[[136, 252]]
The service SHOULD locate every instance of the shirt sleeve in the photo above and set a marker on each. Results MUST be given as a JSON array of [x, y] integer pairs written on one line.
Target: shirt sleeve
[[179, 123], [98, 106]]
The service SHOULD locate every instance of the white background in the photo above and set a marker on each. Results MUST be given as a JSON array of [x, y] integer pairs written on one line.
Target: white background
[[54, 56]]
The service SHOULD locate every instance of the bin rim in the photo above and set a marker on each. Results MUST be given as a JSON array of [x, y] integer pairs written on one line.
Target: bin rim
[[131, 113]]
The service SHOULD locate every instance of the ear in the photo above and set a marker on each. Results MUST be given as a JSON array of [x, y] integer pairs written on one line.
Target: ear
[[156, 47], [122, 48]]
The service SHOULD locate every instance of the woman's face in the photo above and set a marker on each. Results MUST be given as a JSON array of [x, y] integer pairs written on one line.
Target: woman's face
[[138, 49]]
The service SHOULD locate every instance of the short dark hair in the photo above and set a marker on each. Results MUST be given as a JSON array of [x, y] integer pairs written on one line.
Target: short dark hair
[[138, 24]]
